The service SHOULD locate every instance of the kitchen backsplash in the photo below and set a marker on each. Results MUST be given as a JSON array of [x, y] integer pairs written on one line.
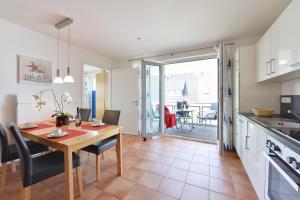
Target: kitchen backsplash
[[291, 87]]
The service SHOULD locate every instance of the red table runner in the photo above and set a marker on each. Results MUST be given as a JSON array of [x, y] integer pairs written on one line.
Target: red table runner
[[94, 128], [40, 126], [71, 134]]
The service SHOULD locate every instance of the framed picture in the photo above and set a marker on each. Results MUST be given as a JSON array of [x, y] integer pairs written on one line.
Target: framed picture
[[34, 71]]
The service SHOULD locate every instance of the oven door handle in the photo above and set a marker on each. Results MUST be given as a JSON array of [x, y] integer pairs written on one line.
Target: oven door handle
[[282, 173]]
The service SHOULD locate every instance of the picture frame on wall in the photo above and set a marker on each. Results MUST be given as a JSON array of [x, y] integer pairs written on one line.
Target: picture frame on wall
[[34, 71]]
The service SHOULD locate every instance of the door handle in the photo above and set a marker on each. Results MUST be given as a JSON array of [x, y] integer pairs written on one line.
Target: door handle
[[246, 142], [267, 68], [272, 67]]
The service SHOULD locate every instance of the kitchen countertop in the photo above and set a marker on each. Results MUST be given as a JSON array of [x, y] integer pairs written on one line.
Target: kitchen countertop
[[263, 122]]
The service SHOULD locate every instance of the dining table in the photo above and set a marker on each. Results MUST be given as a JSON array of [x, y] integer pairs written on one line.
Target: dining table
[[76, 139]]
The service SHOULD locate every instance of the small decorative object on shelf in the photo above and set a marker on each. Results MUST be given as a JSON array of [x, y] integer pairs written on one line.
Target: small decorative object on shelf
[[62, 118]]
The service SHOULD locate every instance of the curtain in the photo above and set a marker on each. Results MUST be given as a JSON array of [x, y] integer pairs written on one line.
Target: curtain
[[225, 96]]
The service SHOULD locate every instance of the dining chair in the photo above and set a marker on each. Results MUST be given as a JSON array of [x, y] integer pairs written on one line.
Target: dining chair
[[85, 114], [9, 152], [109, 117], [37, 169]]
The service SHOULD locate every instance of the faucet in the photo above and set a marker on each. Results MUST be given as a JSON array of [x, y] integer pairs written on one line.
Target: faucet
[[295, 114]]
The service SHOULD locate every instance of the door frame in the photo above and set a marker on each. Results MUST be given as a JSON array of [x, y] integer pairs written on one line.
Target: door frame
[[144, 72]]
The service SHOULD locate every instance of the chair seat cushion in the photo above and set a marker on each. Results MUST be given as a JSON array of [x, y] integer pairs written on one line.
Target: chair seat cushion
[[49, 165], [101, 146], [34, 148]]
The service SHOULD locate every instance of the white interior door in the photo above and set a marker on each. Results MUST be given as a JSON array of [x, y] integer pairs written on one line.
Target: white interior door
[[125, 95]]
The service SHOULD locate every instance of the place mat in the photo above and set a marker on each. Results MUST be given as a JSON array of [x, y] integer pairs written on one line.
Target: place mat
[[94, 128], [71, 134], [39, 127]]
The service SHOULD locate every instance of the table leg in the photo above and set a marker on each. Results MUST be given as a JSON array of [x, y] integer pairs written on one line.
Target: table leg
[[119, 153], [69, 174]]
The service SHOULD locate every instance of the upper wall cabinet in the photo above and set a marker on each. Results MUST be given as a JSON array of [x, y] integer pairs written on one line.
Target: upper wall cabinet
[[278, 51]]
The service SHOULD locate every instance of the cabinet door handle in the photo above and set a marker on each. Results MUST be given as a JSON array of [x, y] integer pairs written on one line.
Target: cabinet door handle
[[268, 70], [272, 66], [246, 142]]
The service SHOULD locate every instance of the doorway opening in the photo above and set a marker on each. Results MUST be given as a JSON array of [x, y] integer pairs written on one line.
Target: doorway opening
[[96, 90], [191, 97], [180, 99]]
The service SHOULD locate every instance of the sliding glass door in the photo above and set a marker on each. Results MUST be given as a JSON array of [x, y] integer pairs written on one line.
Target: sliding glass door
[[152, 98]]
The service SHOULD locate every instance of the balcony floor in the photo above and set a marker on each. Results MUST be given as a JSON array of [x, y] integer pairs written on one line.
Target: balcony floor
[[199, 132]]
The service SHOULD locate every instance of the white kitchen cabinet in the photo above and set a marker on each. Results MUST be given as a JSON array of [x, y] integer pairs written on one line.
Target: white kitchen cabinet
[[278, 51], [243, 132], [285, 39], [263, 57], [252, 139], [256, 143]]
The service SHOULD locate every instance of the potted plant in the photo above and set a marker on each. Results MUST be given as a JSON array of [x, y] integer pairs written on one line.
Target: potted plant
[[62, 118]]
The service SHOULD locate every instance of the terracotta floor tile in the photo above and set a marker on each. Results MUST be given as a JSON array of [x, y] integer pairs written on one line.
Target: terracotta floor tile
[[171, 187], [105, 179], [90, 193], [133, 174], [184, 156], [119, 187], [150, 180], [241, 178], [106, 196], [194, 193], [245, 192], [220, 173], [165, 160], [182, 164], [177, 174], [160, 169], [222, 186], [160, 196], [199, 180], [199, 168], [143, 164], [139, 192], [218, 196], [186, 150], [200, 159], [202, 152], [151, 156]]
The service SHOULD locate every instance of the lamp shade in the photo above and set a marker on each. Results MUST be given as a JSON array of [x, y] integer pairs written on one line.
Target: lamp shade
[[68, 79], [58, 79]]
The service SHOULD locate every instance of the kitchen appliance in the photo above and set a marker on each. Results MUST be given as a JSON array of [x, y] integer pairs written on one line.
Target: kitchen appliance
[[289, 102], [283, 166]]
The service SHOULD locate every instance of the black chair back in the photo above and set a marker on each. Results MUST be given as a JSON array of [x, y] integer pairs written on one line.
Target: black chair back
[[84, 114], [3, 145], [24, 154], [111, 117]]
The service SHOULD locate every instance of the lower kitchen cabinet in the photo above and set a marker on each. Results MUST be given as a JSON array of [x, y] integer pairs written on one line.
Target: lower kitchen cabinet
[[253, 142]]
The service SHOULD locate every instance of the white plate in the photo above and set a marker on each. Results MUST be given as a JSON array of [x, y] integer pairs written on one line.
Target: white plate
[[96, 125], [55, 135], [28, 127]]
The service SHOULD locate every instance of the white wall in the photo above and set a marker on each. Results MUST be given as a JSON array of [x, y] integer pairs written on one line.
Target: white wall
[[16, 40], [291, 87]]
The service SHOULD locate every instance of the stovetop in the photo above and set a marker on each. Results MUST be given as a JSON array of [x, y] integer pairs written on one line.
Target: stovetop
[[290, 132]]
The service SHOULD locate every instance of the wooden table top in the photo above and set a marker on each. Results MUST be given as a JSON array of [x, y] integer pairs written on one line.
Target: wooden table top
[[74, 143]]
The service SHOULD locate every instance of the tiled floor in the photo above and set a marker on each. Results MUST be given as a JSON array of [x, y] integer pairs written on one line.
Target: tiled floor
[[199, 132], [159, 169]]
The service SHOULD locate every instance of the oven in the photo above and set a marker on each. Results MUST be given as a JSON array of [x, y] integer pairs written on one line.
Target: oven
[[282, 182]]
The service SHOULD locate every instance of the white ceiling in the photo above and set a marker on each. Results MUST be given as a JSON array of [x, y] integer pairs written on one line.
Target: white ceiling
[[111, 27]]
